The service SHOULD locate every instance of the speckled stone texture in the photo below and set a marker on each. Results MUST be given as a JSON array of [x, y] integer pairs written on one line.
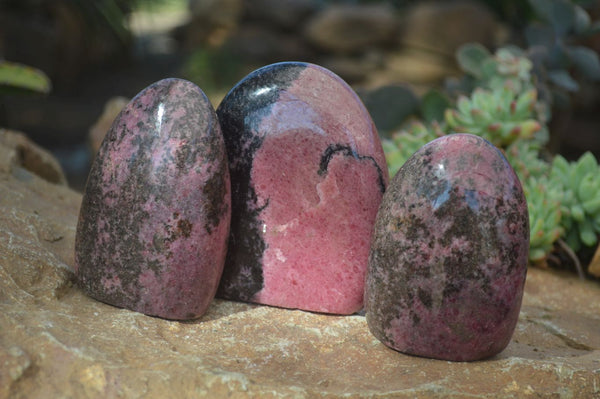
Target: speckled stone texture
[[449, 253], [57, 342], [307, 174], [154, 220]]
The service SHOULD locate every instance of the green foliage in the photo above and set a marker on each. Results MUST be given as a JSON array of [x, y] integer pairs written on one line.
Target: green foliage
[[543, 204], [500, 116], [551, 49], [503, 105], [508, 68], [18, 78], [580, 202], [213, 69], [406, 142], [524, 157]]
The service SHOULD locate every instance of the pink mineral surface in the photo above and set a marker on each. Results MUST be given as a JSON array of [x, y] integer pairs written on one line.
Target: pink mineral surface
[[308, 174], [154, 221], [448, 260]]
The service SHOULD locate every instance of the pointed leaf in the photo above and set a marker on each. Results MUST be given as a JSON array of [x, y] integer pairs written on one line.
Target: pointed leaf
[[582, 20], [586, 61], [561, 78], [22, 77], [587, 234], [559, 13]]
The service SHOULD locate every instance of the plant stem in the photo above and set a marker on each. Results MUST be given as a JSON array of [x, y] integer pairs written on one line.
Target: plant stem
[[564, 246]]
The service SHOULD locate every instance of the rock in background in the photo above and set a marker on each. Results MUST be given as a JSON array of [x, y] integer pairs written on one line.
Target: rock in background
[[372, 43], [369, 44], [57, 342]]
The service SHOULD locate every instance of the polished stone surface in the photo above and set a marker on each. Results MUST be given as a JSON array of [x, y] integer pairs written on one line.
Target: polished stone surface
[[307, 174], [154, 220], [57, 342], [449, 254]]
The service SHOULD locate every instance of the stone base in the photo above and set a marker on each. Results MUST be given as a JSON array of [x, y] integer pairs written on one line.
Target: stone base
[[57, 342]]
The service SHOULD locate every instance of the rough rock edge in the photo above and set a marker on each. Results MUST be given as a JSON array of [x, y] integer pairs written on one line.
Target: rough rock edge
[[18, 151]]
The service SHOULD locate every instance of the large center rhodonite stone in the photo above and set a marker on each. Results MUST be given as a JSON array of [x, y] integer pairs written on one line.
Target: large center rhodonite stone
[[308, 173]]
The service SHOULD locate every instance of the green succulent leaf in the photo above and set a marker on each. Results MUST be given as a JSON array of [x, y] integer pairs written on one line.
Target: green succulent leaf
[[587, 234], [586, 61], [471, 56], [588, 189], [559, 13], [578, 213], [586, 164], [582, 21], [592, 206], [433, 105], [561, 78], [405, 142]]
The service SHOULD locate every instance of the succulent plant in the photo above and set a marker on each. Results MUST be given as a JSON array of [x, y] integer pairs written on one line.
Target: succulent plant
[[543, 204], [524, 157], [508, 68], [406, 142], [580, 202], [506, 98], [500, 115]]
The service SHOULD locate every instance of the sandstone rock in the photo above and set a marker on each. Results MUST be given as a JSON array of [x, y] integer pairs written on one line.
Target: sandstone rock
[[20, 152], [210, 23], [443, 26], [353, 68], [414, 66], [284, 14], [594, 266], [57, 342], [258, 44], [347, 28]]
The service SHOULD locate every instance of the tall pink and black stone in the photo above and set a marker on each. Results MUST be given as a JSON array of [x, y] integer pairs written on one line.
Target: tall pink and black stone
[[154, 220], [307, 173], [449, 254]]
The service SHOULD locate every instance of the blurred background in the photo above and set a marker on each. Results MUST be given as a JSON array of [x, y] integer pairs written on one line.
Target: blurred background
[[98, 54]]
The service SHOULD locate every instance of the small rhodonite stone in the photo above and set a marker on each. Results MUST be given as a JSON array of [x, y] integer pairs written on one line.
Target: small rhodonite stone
[[154, 220], [449, 253], [307, 176]]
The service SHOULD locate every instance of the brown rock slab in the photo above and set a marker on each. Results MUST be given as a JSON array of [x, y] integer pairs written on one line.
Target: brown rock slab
[[19, 152], [57, 342], [441, 26], [352, 28]]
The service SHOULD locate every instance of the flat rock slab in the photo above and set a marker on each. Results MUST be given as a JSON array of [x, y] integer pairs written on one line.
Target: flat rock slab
[[57, 342]]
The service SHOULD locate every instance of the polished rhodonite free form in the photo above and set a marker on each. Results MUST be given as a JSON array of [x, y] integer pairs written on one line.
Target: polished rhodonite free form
[[154, 221], [307, 174], [449, 253]]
